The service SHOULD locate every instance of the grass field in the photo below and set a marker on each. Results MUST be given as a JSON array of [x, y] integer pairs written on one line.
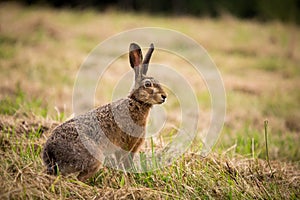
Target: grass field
[[41, 50]]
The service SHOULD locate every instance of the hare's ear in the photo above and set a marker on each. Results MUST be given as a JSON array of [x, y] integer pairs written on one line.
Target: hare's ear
[[135, 58], [147, 60]]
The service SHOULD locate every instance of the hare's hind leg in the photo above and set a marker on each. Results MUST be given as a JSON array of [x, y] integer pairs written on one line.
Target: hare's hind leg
[[48, 157], [89, 172]]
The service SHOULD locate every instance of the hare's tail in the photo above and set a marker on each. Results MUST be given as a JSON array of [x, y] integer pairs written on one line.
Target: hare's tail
[[49, 160]]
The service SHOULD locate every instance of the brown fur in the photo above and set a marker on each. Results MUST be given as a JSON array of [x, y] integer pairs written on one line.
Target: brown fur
[[82, 143]]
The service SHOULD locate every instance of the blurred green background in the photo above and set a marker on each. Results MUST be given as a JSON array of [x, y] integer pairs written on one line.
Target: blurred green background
[[260, 9]]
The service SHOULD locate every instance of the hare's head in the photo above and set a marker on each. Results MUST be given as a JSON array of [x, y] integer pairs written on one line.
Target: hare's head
[[146, 89]]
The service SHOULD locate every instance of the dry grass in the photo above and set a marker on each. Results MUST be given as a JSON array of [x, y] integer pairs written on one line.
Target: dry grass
[[41, 50], [192, 176]]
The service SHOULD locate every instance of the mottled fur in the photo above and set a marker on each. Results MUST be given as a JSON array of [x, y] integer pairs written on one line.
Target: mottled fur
[[82, 143]]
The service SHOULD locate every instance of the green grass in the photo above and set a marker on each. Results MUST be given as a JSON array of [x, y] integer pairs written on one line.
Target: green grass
[[7, 50], [190, 177], [41, 51], [10, 105]]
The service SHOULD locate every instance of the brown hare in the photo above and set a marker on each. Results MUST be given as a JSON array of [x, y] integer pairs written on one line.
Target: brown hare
[[81, 144]]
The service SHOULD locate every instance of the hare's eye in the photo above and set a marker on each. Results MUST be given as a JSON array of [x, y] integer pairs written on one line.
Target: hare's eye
[[147, 84]]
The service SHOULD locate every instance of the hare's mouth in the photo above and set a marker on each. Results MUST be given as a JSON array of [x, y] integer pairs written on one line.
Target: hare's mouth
[[163, 101]]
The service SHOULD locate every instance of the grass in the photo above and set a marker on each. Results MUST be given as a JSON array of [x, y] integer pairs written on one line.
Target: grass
[[41, 51], [10, 105], [190, 177]]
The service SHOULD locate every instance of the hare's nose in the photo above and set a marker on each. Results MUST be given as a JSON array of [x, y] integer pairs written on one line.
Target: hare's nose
[[163, 96]]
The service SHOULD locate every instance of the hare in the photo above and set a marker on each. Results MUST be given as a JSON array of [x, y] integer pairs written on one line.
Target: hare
[[80, 144]]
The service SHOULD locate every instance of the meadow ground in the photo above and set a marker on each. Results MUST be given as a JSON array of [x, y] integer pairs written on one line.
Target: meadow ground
[[41, 50]]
